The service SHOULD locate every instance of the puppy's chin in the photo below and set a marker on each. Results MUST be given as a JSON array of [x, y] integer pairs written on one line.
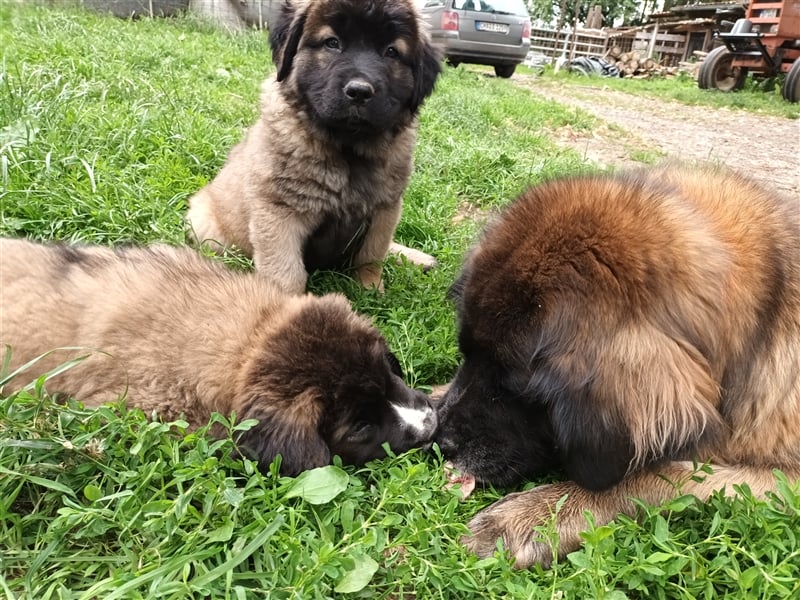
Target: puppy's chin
[[496, 438], [500, 456], [352, 127], [487, 472]]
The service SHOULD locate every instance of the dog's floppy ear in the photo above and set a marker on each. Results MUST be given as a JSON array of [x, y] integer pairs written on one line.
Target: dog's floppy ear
[[650, 397], [455, 293], [289, 430], [595, 453], [284, 36], [429, 65]]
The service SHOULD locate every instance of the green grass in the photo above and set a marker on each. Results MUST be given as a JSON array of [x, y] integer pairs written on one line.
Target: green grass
[[762, 96], [106, 128]]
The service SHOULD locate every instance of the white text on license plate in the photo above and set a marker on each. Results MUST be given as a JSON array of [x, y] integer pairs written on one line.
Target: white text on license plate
[[493, 27]]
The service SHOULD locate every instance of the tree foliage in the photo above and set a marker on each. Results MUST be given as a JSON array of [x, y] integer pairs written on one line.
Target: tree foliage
[[562, 12]]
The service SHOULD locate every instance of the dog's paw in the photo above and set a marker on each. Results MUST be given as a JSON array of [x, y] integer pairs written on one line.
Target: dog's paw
[[370, 277], [532, 525]]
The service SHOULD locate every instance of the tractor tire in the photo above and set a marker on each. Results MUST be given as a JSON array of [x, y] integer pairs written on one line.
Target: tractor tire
[[717, 73], [791, 85]]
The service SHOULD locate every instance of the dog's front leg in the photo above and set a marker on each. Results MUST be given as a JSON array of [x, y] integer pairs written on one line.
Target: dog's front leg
[[278, 236], [368, 261], [522, 520]]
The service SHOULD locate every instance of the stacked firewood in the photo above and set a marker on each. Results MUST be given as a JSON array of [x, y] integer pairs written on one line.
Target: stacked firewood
[[634, 64]]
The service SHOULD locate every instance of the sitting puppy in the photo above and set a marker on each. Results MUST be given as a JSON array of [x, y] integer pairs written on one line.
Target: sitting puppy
[[183, 336], [619, 329], [318, 181]]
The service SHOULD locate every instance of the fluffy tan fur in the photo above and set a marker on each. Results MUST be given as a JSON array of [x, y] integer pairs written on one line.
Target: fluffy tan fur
[[179, 335], [172, 331], [241, 207], [667, 302], [291, 174]]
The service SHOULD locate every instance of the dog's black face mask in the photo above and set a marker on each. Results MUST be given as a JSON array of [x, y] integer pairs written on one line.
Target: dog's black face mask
[[326, 384], [359, 69], [490, 431], [366, 413]]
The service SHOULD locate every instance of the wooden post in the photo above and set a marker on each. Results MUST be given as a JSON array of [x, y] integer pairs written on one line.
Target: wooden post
[[652, 45], [575, 29], [563, 58], [561, 15]]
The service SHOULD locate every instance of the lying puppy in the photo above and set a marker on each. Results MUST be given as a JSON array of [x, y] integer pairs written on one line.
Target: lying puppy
[[618, 329], [318, 181], [181, 335]]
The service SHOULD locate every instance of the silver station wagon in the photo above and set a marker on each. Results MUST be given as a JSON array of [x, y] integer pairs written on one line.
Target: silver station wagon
[[483, 32]]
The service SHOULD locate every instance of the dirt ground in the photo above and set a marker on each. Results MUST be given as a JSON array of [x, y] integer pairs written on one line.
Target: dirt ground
[[765, 147]]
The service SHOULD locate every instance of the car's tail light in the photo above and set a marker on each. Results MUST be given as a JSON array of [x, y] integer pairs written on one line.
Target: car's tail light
[[526, 30], [450, 21]]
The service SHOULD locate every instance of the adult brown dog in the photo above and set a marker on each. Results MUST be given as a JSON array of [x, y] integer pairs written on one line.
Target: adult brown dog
[[181, 335], [318, 181], [619, 328]]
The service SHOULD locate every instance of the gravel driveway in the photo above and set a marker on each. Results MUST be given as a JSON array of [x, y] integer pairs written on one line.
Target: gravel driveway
[[764, 147]]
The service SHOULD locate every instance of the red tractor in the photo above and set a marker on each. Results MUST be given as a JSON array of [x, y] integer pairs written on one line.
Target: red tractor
[[766, 41]]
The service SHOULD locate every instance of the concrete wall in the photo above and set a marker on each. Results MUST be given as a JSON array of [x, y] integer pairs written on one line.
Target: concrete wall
[[236, 14], [231, 14]]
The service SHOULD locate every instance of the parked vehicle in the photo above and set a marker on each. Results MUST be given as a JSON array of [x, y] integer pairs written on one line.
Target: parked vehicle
[[483, 32]]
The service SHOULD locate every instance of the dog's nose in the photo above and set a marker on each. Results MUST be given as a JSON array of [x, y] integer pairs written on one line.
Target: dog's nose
[[359, 91]]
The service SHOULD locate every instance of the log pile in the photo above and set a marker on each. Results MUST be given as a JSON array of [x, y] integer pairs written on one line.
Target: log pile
[[635, 64]]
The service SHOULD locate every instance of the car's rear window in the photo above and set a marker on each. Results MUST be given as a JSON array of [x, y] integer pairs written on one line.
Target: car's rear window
[[512, 7]]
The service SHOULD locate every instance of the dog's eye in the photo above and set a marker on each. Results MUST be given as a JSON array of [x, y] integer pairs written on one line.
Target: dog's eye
[[391, 52], [360, 432], [332, 43]]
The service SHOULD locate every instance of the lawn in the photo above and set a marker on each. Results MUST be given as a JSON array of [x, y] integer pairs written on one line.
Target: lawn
[[106, 128]]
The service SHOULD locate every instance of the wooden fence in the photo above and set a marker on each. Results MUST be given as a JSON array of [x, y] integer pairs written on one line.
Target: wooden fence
[[667, 49], [553, 43]]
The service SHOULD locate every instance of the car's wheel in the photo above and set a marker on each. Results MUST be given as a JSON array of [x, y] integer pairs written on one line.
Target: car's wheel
[[504, 70], [718, 72], [791, 85]]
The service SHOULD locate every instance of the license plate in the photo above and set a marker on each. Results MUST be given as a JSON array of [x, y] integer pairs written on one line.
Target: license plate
[[493, 27]]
